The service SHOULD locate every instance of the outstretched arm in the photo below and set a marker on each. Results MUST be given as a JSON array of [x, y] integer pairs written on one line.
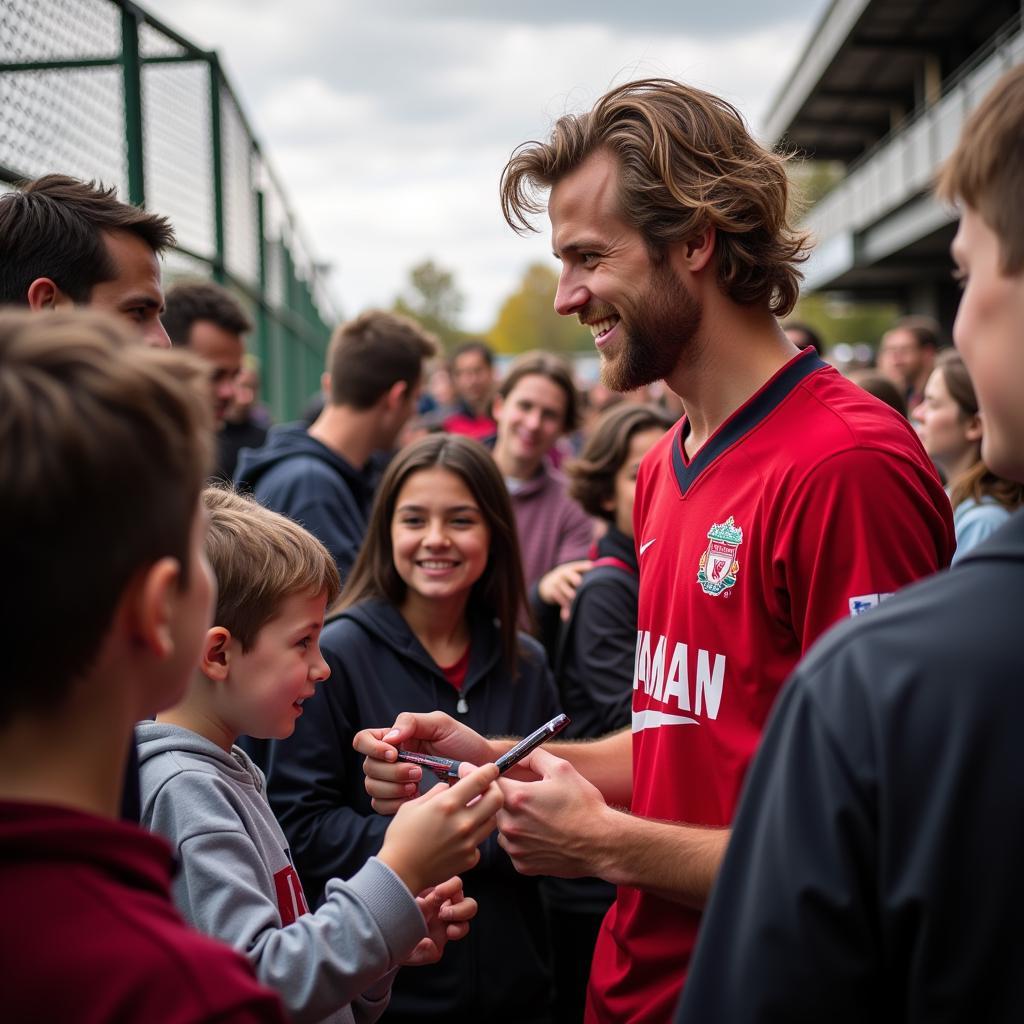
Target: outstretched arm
[[560, 825], [606, 763]]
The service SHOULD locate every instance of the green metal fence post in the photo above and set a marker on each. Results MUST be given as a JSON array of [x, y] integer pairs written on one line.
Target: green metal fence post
[[289, 356], [132, 68], [262, 320], [217, 159]]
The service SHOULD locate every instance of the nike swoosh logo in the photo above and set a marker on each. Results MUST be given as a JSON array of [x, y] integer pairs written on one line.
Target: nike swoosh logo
[[646, 545], [656, 719]]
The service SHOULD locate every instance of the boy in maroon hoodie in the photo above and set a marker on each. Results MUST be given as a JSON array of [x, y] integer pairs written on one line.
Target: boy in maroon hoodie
[[105, 599]]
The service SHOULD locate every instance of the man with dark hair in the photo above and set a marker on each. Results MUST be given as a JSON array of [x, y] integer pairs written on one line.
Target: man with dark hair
[[875, 867], [65, 242], [207, 319], [906, 356], [785, 499], [322, 476], [472, 371]]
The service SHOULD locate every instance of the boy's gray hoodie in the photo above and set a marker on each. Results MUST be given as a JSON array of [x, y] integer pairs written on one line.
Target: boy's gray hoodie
[[238, 884]]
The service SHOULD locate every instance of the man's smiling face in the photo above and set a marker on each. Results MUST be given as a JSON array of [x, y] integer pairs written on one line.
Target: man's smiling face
[[641, 314]]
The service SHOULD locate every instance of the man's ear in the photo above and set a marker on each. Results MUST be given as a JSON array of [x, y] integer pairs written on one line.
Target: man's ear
[[43, 293], [152, 606], [214, 662], [325, 382], [396, 395], [974, 428], [694, 253]]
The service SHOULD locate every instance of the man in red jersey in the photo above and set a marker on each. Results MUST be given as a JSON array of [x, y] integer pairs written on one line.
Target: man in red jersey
[[784, 500], [875, 868]]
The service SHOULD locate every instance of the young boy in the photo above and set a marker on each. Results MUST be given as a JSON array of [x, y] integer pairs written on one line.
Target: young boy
[[106, 599], [259, 662], [875, 867]]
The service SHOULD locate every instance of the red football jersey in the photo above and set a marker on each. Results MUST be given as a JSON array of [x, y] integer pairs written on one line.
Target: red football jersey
[[813, 501]]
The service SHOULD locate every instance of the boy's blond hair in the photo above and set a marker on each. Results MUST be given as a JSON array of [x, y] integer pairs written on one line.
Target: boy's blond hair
[[986, 170], [260, 558]]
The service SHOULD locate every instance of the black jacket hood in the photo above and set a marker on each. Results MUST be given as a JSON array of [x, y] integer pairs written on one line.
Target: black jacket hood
[[285, 442]]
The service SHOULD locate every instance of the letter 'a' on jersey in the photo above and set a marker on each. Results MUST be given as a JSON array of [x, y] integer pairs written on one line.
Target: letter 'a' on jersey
[[810, 496]]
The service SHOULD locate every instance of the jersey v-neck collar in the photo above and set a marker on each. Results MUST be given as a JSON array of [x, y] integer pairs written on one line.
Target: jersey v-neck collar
[[743, 420]]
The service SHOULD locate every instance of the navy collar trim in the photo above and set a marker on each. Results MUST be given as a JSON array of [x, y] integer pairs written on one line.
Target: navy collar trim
[[743, 420]]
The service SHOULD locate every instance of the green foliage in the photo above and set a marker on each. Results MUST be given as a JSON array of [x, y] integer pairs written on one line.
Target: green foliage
[[814, 179], [853, 323], [433, 299], [527, 319]]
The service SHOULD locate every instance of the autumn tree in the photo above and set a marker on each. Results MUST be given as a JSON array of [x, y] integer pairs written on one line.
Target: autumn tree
[[432, 297], [527, 319]]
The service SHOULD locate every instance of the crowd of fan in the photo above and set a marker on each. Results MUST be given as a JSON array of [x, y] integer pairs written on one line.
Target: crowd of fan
[[211, 620]]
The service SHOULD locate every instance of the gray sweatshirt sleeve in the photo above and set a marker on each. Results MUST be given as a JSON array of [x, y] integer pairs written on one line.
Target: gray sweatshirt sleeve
[[342, 954]]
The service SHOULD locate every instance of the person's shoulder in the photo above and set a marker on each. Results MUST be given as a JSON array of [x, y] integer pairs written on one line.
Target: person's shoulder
[[971, 512], [183, 976], [184, 797], [943, 632], [132, 952], [305, 467], [530, 654], [359, 622], [834, 413], [607, 579]]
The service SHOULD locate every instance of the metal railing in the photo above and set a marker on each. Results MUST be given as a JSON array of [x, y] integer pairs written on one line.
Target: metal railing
[[100, 89], [902, 165]]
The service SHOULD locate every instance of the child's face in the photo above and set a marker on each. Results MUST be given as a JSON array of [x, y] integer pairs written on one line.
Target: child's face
[[625, 480], [989, 332], [267, 684], [439, 537]]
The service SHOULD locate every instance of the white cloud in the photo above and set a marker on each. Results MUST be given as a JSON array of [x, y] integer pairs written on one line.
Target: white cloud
[[390, 124]]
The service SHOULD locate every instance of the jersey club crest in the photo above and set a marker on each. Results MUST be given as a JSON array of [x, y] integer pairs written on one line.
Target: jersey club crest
[[718, 565]]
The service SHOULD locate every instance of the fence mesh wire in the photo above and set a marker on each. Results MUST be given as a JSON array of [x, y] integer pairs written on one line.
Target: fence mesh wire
[[73, 119]]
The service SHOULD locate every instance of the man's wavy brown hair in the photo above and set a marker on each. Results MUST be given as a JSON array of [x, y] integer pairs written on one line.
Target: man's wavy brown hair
[[686, 163]]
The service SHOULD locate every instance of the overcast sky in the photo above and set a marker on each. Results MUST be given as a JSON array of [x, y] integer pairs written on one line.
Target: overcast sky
[[390, 122]]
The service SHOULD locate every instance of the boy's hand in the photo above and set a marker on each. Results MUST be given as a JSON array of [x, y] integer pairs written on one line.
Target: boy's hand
[[447, 912], [391, 782], [436, 835]]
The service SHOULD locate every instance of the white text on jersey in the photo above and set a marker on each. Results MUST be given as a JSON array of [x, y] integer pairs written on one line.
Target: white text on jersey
[[667, 679]]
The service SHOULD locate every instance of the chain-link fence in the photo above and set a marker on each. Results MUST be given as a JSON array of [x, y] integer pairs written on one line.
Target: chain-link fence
[[99, 89]]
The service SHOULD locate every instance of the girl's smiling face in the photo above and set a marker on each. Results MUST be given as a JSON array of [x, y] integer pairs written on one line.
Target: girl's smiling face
[[439, 537]]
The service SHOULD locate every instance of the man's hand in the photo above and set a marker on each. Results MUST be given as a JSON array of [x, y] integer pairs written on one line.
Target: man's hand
[[554, 825], [391, 782], [559, 586], [447, 912]]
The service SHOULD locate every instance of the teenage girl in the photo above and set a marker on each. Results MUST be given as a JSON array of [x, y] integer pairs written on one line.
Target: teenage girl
[[427, 621], [594, 661], [951, 429]]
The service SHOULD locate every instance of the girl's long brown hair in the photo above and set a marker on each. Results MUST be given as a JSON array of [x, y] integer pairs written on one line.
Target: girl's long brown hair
[[499, 592], [978, 481]]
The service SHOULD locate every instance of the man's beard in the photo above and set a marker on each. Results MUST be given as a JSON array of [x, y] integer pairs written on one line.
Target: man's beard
[[662, 327]]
